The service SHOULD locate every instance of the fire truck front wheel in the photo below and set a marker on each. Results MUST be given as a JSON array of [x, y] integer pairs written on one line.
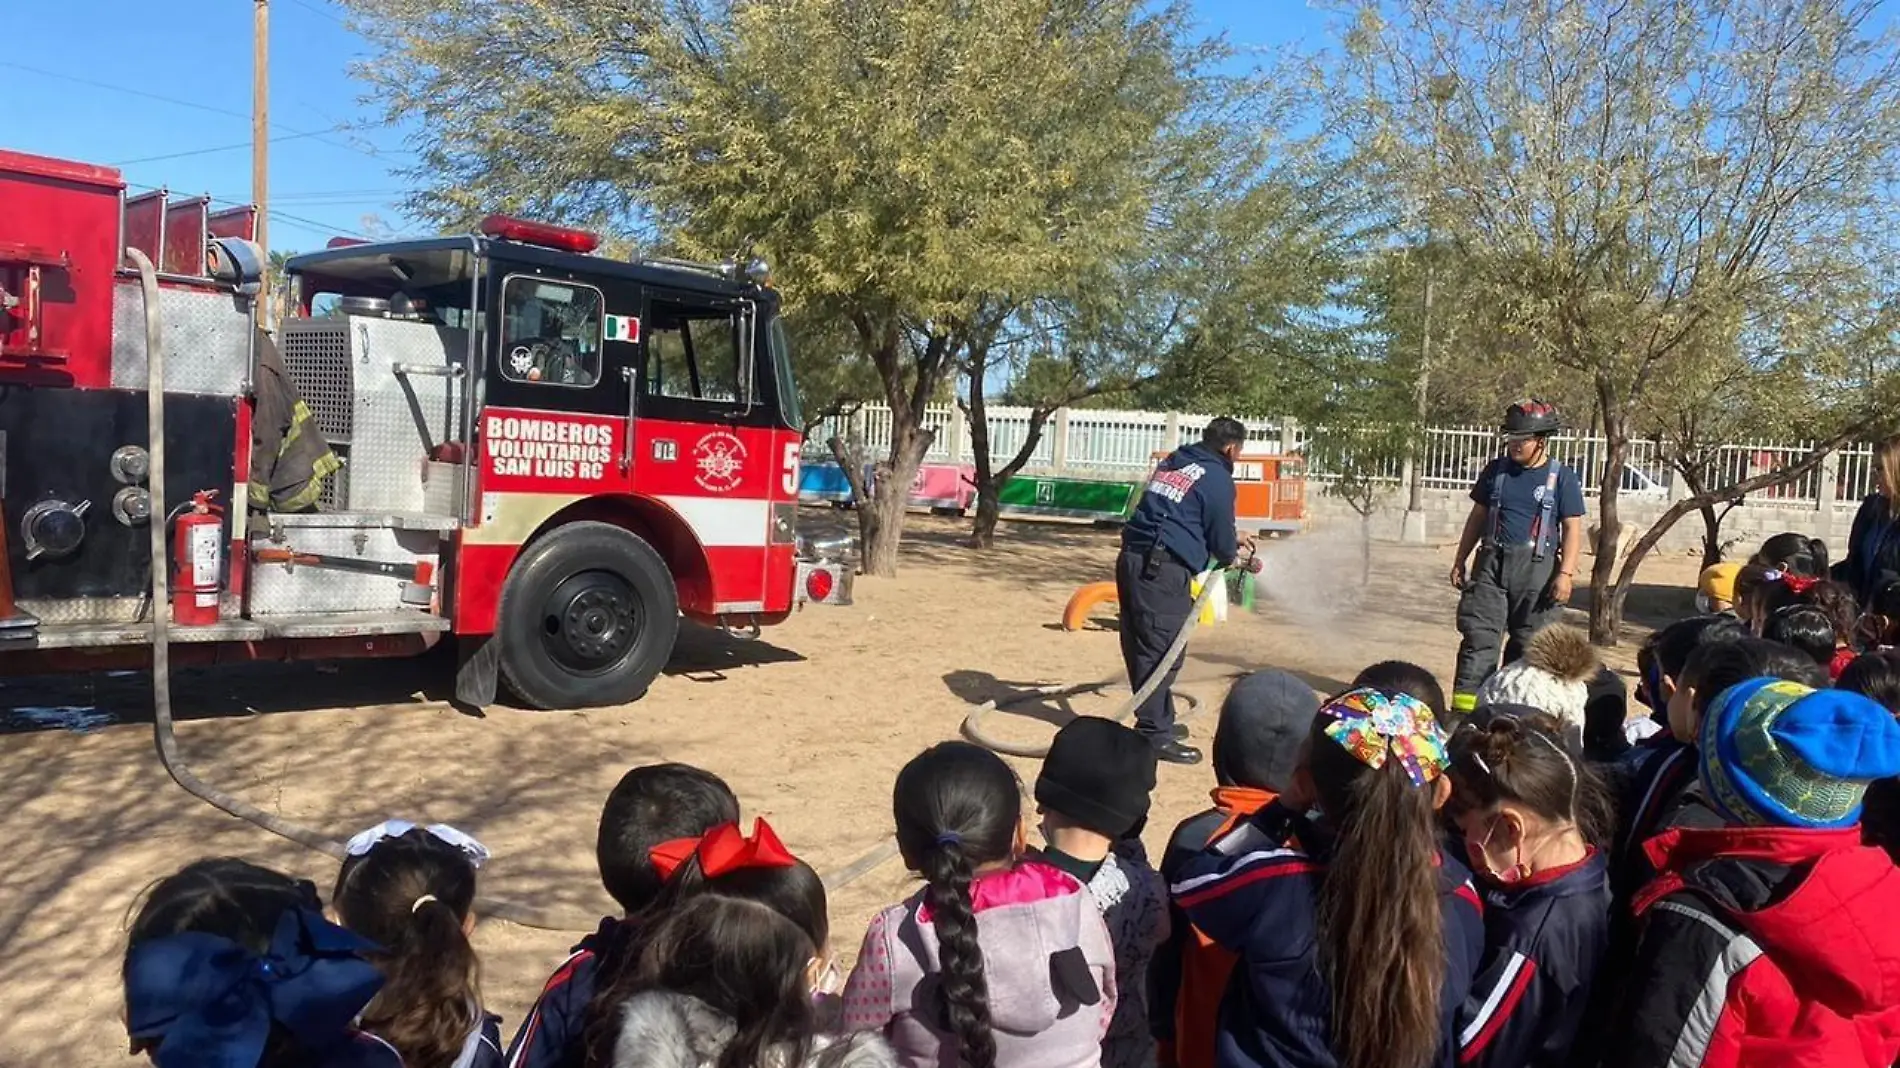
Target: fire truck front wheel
[[587, 618]]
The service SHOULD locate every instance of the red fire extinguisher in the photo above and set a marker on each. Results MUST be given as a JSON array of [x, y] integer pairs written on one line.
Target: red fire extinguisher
[[197, 562]]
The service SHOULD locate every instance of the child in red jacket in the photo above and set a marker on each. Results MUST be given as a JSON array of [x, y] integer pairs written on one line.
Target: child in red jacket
[[1770, 940]]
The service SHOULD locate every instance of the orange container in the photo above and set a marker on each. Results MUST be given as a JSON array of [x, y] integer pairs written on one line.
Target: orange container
[[1269, 490]]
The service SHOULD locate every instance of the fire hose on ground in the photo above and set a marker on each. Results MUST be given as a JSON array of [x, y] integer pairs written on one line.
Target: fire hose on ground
[[973, 723], [162, 727], [165, 736]]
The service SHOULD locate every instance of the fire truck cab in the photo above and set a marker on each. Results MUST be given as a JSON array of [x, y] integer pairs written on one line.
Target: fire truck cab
[[550, 454]]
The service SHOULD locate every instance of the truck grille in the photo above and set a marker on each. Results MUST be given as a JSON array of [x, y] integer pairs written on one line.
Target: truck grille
[[317, 355]]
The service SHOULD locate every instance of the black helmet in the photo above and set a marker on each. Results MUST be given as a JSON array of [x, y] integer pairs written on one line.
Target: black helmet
[[1531, 418]]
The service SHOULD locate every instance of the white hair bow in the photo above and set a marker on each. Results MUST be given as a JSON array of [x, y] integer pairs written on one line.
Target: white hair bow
[[364, 841]]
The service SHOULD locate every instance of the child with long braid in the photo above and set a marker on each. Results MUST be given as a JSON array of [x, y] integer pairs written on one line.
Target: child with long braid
[[1001, 961]]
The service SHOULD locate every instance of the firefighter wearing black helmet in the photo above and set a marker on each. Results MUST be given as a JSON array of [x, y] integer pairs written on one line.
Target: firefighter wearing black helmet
[[1527, 523]]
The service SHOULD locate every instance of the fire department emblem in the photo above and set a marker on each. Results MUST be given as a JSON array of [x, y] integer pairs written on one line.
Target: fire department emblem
[[720, 460]]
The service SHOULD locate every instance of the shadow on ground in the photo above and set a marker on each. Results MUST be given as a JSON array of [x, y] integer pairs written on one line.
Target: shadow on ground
[[87, 702], [1647, 606], [1035, 700], [101, 808], [1241, 665]]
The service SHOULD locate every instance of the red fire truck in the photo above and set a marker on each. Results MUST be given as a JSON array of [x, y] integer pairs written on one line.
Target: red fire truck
[[548, 454]]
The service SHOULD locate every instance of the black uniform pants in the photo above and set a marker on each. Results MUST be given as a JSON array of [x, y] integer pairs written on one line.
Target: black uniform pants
[[1508, 592], [1153, 596]]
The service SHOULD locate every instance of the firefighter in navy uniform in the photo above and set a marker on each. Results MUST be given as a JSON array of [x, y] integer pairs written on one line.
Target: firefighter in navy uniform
[[289, 458], [1184, 519], [1527, 522]]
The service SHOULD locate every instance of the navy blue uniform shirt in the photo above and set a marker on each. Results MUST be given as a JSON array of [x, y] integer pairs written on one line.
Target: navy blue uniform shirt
[[1545, 939], [552, 1035], [1258, 898], [1188, 509], [1523, 498]]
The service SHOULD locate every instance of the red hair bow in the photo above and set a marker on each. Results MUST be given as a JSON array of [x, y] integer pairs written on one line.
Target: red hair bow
[[1800, 584], [723, 849]]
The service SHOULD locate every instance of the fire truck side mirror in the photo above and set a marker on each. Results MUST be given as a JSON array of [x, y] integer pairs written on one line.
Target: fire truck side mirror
[[748, 362]]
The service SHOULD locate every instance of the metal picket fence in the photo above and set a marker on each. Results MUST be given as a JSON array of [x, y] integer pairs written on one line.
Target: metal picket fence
[[1114, 443]]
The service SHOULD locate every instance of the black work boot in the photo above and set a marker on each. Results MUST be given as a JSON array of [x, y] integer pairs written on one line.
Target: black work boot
[[1172, 752]]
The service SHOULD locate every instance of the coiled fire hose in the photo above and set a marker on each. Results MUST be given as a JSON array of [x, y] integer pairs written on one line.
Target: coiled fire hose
[[166, 739], [973, 723]]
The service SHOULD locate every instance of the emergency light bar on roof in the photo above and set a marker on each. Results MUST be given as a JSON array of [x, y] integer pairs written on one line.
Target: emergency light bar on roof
[[547, 235]]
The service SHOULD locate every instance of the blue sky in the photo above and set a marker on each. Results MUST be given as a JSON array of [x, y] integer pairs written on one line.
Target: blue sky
[[163, 92]]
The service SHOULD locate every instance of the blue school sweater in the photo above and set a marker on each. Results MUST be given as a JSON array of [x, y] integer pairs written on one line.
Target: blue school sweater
[[552, 1034], [1545, 941], [1259, 898]]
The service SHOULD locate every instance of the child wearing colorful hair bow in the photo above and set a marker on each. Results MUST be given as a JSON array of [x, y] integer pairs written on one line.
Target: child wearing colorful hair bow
[[757, 875], [411, 891], [1768, 939], [1002, 959], [1357, 944], [229, 965], [1530, 809]]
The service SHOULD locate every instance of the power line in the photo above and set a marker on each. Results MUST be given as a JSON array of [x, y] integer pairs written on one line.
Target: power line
[[313, 224], [332, 16], [316, 225], [207, 151], [340, 196], [322, 135], [123, 89]]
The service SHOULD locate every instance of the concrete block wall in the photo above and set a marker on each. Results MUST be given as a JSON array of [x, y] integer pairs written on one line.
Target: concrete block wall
[[1746, 526]]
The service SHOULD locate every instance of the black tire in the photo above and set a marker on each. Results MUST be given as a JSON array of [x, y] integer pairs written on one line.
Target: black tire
[[588, 617]]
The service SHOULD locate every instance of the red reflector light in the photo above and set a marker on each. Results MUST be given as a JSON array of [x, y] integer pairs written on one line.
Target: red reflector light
[[344, 242], [819, 584], [547, 235], [425, 573]]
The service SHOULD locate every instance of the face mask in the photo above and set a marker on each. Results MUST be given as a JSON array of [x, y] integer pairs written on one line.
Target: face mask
[[825, 977], [1703, 606], [1481, 863]]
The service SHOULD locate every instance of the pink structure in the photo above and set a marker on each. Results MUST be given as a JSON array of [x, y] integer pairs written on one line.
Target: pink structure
[[944, 486]]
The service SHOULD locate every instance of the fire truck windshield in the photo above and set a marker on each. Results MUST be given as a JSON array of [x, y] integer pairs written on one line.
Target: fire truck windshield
[[781, 346]]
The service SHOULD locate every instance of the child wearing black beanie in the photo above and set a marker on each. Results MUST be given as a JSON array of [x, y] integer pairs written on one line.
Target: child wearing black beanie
[[1093, 795]]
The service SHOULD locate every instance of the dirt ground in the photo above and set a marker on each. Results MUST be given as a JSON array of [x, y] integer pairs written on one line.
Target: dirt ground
[[809, 725]]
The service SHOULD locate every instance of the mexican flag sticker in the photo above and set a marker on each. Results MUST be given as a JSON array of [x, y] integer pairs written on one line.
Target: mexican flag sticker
[[621, 328]]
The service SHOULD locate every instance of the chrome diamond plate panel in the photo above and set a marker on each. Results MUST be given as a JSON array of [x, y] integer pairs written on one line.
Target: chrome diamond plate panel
[[382, 423], [206, 334], [278, 591]]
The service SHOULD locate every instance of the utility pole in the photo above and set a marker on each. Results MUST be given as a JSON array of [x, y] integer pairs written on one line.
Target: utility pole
[[1412, 529], [260, 134]]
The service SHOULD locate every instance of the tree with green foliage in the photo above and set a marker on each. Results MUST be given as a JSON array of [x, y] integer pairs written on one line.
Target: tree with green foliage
[[1205, 305], [1358, 459], [902, 166], [833, 378], [1639, 188], [1050, 365]]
